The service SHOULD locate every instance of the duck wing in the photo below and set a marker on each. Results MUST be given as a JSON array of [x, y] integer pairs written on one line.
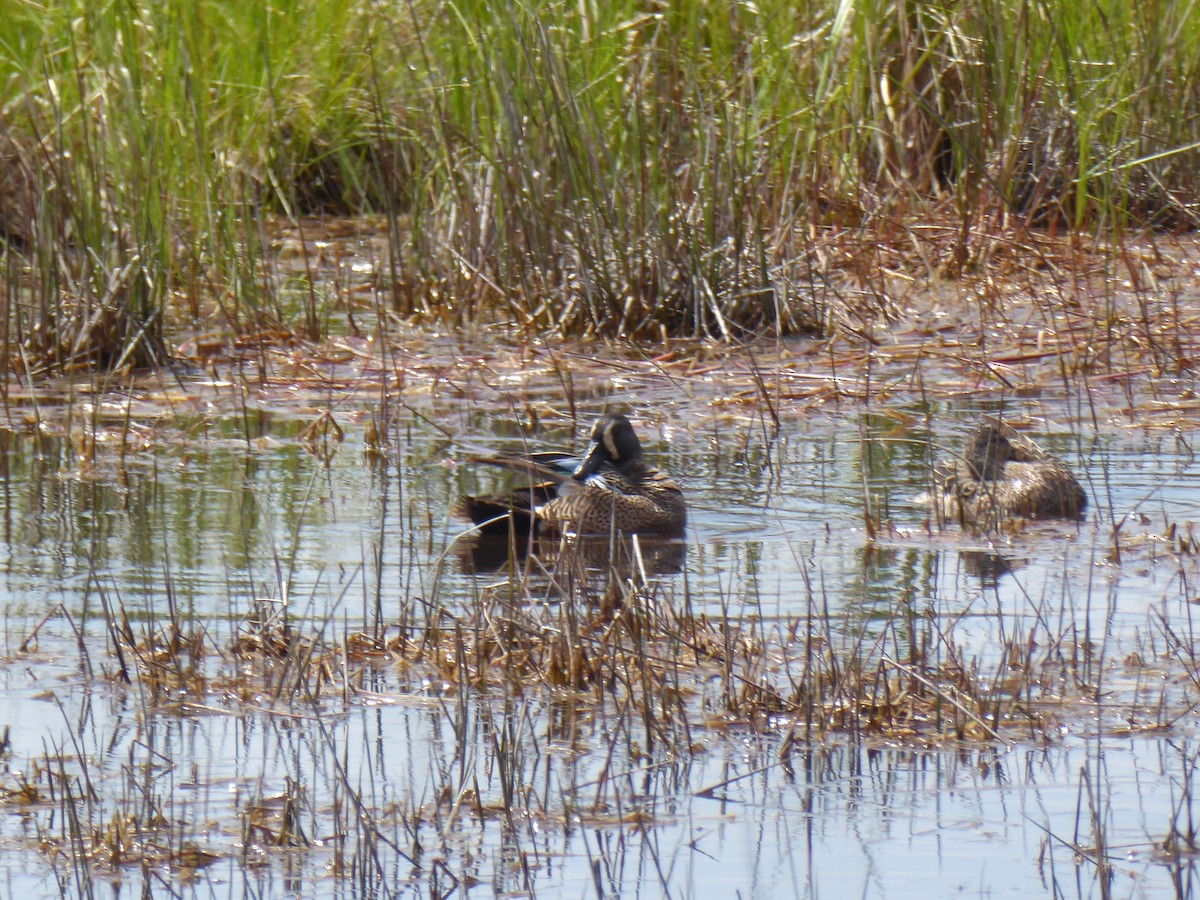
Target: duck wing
[[555, 467]]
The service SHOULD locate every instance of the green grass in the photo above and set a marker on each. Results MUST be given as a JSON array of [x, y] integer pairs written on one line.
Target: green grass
[[610, 168]]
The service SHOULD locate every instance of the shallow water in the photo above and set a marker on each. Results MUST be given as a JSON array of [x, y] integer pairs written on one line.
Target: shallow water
[[233, 515]]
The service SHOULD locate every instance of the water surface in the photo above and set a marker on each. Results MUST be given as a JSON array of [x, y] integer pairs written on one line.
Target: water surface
[[233, 518]]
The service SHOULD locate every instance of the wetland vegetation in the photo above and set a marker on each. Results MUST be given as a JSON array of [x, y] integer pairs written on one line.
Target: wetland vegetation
[[273, 274]]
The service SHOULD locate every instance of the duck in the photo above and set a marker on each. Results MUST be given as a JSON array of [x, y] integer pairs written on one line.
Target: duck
[[611, 487], [1002, 478]]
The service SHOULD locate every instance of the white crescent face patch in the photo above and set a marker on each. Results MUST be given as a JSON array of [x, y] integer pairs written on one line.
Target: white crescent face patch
[[609, 444]]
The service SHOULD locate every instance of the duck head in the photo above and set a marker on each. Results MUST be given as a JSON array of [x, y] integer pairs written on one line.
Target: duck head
[[614, 442], [987, 451]]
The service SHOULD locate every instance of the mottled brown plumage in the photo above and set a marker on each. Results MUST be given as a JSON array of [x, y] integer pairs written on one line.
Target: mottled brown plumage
[[1002, 477], [612, 488]]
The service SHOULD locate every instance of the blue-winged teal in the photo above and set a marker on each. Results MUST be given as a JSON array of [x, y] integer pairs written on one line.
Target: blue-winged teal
[[611, 487], [1002, 476]]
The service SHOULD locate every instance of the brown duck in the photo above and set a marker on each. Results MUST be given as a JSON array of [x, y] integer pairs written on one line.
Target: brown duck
[[1002, 477], [611, 488]]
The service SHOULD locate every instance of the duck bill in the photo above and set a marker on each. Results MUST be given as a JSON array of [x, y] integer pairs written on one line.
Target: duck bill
[[592, 461]]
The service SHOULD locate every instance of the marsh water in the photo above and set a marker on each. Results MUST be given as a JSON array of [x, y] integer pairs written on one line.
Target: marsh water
[[217, 510]]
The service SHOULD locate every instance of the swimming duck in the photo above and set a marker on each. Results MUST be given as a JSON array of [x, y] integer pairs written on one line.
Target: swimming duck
[[1005, 477], [611, 487]]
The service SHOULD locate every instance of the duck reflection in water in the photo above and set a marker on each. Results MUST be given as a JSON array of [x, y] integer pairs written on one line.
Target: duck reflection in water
[[487, 553], [987, 566]]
